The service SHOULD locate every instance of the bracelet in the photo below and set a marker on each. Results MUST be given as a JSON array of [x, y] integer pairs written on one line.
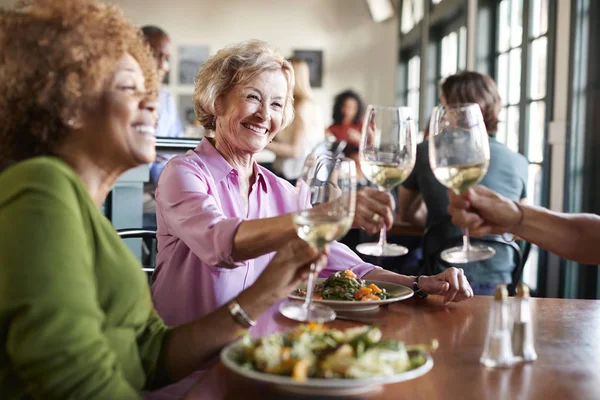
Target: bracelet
[[418, 291], [239, 315]]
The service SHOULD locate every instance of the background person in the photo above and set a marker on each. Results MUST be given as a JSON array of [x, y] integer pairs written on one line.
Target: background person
[[507, 173], [305, 132]]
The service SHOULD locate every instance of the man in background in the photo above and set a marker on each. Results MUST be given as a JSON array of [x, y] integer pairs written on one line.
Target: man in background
[[169, 124]]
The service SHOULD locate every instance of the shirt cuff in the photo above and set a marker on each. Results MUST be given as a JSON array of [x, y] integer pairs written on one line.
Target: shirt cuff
[[225, 231]]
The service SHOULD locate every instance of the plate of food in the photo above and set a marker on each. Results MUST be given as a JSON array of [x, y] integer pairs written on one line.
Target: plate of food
[[344, 291], [315, 360]]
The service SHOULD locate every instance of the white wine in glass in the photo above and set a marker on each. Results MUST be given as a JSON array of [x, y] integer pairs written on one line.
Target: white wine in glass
[[459, 155], [387, 152], [326, 197]]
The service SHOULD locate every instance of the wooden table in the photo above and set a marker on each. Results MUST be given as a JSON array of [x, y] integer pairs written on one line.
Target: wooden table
[[567, 335]]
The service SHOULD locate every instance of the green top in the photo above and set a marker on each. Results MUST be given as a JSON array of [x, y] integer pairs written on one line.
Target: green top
[[76, 317]]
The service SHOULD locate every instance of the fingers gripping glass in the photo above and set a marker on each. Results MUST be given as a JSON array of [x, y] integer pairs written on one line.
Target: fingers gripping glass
[[459, 155], [326, 197], [387, 157]]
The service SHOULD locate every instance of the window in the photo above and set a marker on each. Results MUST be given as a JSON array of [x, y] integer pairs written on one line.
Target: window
[[521, 67], [410, 78], [412, 14]]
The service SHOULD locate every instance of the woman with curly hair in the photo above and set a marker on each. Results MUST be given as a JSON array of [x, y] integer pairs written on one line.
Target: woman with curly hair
[[78, 108], [348, 109]]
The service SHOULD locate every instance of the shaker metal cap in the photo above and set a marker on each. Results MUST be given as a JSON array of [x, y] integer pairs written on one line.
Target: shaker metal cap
[[501, 292], [523, 290]]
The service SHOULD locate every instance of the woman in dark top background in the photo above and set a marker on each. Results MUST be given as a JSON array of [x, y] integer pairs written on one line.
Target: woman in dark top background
[[507, 175]]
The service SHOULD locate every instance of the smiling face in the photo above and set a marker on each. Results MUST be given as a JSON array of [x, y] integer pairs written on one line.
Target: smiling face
[[121, 129], [250, 114]]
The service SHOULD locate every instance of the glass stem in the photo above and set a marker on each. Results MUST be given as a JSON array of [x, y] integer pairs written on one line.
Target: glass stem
[[466, 240], [310, 287], [382, 238]]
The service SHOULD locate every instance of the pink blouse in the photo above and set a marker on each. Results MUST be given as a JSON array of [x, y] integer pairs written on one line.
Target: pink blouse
[[198, 210]]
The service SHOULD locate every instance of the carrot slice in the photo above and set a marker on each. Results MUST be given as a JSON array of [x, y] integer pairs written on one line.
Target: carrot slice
[[350, 274], [362, 292], [375, 288]]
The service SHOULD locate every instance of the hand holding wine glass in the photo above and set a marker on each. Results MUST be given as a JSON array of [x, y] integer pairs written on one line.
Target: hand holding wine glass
[[326, 196], [459, 155], [387, 156]]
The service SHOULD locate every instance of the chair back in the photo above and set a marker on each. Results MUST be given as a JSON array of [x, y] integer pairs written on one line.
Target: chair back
[[148, 243], [444, 234]]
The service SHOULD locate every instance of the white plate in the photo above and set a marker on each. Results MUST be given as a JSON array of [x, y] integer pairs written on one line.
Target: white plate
[[320, 386], [399, 291]]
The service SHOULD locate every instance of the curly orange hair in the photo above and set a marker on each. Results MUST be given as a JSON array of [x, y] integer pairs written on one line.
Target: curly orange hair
[[57, 58]]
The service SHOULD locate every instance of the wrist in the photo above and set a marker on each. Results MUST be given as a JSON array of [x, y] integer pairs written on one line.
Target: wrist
[[517, 227], [419, 292], [255, 300]]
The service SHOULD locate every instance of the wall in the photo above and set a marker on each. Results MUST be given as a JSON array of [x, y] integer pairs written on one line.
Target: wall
[[357, 52]]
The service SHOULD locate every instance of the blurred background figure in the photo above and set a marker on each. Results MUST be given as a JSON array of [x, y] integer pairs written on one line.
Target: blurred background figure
[[507, 175], [348, 110], [169, 124], [295, 142]]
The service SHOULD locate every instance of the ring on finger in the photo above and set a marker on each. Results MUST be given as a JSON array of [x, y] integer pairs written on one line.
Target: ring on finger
[[375, 218]]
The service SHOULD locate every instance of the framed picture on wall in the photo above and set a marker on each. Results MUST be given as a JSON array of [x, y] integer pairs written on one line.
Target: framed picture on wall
[[190, 59], [314, 59]]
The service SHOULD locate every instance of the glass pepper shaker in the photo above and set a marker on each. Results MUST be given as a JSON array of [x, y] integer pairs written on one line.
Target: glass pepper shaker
[[522, 334], [498, 348]]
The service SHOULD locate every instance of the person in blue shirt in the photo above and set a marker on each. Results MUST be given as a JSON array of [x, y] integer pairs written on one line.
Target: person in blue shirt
[[169, 124], [507, 175]]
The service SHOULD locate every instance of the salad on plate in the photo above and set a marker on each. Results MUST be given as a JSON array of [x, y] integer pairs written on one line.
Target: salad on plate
[[345, 285], [313, 351]]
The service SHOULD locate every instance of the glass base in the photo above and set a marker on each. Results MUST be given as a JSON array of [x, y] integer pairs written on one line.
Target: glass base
[[316, 312], [456, 255], [374, 249]]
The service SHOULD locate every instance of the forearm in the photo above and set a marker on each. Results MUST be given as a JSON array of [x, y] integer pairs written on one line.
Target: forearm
[[254, 238], [191, 345], [380, 274], [572, 236]]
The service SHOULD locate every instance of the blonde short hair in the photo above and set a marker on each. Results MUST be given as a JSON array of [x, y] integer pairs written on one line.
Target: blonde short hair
[[237, 64]]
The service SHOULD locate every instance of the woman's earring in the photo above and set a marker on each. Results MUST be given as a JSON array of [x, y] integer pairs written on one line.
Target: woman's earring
[[70, 122]]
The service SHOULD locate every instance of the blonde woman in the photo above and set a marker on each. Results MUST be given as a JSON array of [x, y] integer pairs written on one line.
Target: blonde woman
[[221, 215], [307, 130]]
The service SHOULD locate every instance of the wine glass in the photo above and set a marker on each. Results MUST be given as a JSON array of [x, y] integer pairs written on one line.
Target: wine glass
[[326, 196], [387, 152], [459, 155]]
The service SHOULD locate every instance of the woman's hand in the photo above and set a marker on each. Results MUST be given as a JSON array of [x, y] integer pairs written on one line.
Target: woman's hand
[[452, 284], [373, 208], [483, 211], [290, 267]]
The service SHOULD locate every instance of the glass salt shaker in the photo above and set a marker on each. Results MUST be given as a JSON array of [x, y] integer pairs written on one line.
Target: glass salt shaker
[[498, 348], [522, 334]]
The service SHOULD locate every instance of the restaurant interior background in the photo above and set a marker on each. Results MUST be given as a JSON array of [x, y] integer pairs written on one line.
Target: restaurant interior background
[[542, 53]]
